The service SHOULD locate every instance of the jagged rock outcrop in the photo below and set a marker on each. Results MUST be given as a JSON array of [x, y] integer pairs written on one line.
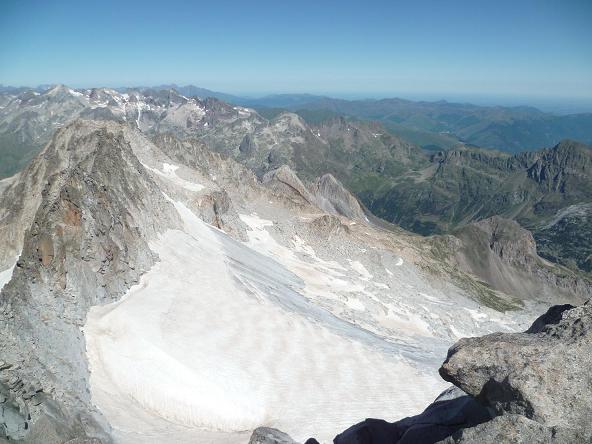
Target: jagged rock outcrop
[[542, 374], [507, 239], [328, 225], [327, 192], [285, 181], [248, 145], [87, 244], [267, 435], [334, 198]]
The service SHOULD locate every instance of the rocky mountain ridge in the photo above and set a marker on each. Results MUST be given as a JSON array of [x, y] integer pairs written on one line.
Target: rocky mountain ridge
[[441, 124], [396, 180], [466, 185]]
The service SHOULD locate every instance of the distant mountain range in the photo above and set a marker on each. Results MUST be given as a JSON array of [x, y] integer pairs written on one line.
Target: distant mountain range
[[547, 191], [435, 126], [440, 125]]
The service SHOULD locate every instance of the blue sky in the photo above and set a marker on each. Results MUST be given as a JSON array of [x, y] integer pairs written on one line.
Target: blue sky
[[450, 48]]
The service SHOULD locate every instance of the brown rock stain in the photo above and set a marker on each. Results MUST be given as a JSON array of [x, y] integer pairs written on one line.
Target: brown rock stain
[[72, 215], [45, 250]]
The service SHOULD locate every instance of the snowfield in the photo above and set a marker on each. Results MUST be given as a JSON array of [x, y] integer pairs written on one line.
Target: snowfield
[[5, 276], [169, 173], [218, 339]]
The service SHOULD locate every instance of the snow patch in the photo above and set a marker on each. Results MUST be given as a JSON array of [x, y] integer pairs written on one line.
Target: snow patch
[[169, 172], [359, 267], [6, 275], [75, 93], [355, 304]]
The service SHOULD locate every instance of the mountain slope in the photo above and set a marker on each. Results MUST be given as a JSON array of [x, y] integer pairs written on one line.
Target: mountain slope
[[468, 184], [113, 230]]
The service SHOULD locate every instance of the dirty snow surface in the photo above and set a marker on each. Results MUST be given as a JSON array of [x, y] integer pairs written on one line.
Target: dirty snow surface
[[221, 337], [214, 341]]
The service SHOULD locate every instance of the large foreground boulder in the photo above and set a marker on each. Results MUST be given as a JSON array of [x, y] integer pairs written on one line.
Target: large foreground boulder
[[543, 374], [531, 387], [515, 429], [268, 435]]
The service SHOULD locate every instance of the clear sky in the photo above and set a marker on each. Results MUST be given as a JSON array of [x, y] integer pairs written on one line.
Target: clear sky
[[538, 48]]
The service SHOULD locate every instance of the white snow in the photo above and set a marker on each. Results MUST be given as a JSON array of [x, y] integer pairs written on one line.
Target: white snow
[[169, 172], [198, 351], [139, 114], [75, 93], [359, 267], [322, 279], [355, 304], [6, 275]]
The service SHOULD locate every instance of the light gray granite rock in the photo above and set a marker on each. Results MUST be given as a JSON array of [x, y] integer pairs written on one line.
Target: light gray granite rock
[[543, 374], [268, 435]]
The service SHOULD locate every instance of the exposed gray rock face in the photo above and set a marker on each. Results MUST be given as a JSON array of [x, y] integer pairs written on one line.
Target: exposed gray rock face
[[515, 429], [542, 374], [284, 180], [334, 198], [248, 145], [216, 209], [327, 192], [215, 205], [87, 244], [328, 225], [508, 240], [267, 435]]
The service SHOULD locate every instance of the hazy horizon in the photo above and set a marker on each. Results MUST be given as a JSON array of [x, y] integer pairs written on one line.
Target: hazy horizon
[[558, 105], [507, 49]]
